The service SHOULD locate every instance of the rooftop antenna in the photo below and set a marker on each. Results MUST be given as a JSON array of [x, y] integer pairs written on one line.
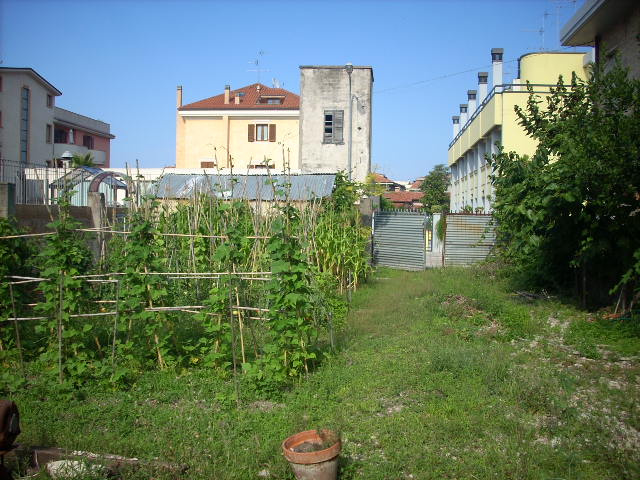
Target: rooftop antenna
[[275, 82], [257, 64], [541, 30]]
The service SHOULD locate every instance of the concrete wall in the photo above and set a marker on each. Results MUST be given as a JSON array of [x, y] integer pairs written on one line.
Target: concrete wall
[[622, 39], [327, 88], [39, 151], [34, 218]]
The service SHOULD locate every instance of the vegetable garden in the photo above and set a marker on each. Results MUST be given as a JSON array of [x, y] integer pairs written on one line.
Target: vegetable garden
[[255, 292]]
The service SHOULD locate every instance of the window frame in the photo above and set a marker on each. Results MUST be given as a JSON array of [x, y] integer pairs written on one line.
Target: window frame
[[49, 133], [333, 128], [88, 141], [25, 123], [262, 130]]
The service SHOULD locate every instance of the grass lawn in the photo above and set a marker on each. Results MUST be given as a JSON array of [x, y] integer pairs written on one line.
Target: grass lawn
[[440, 374]]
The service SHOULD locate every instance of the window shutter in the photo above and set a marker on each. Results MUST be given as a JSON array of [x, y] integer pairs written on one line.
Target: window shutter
[[252, 133], [272, 132], [338, 126]]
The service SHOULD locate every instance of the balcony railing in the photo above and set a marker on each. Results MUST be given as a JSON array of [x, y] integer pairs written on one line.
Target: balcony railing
[[504, 88]]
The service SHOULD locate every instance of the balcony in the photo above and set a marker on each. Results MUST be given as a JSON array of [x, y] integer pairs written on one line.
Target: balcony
[[99, 157]]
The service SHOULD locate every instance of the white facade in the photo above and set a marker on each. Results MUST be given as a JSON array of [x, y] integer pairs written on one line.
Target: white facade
[[471, 184], [335, 119], [27, 116]]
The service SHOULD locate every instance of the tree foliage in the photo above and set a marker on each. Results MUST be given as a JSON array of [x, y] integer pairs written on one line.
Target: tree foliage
[[434, 187], [569, 216]]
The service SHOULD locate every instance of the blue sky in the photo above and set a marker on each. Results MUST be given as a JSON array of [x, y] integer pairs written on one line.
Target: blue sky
[[120, 61]]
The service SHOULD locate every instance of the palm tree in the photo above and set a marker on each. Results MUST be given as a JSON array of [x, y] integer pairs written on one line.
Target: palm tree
[[82, 160]]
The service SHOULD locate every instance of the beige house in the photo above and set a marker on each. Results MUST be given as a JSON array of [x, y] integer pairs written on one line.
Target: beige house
[[246, 128]]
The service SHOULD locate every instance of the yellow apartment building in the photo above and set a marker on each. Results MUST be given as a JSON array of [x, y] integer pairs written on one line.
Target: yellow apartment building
[[489, 117], [239, 128]]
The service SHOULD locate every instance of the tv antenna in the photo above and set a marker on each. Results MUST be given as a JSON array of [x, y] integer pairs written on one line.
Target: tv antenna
[[257, 63], [541, 30]]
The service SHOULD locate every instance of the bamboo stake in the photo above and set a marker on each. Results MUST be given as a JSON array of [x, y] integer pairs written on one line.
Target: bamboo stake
[[115, 326], [15, 324], [60, 330], [239, 314]]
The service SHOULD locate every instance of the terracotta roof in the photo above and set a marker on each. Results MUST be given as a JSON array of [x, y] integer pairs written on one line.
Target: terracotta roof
[[249, 100], [417, 184], [403, 197], [380, 178]]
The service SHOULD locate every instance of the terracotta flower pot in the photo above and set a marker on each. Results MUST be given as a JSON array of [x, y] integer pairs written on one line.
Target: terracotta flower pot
[[320, 464]]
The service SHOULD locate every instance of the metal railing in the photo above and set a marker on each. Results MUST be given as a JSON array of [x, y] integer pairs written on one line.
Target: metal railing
[[504, 88], [41, 185]]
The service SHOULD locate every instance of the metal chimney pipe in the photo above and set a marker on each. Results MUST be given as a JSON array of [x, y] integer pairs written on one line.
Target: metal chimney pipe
[[456, 125], [496, 60], [483, 77], [471, 96]]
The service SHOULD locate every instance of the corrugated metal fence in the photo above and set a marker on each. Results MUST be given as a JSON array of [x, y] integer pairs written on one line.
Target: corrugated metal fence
[[400, 239], [469, 238]]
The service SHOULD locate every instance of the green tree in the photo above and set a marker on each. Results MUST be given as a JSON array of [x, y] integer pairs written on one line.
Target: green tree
[[434, 187], [569, 217], [85, 160]]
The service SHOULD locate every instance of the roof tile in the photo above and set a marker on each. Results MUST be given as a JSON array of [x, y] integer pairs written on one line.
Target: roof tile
[[248, 101]]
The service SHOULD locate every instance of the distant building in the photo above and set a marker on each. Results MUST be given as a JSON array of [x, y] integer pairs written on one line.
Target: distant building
[[77, 134], [409, 200], [335, 119], [388, 184], [611, 26], [416, 186], [239, 128], [488, 118], [26, 116], [34, 132]]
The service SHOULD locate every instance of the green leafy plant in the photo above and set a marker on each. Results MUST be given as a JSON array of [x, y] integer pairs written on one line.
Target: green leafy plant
[[564, 214]]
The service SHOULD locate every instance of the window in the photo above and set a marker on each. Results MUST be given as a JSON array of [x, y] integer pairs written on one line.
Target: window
[[262, 132], [0, 83], [60, 135], [49, 100], [49, 133], [333, 126], [272, 100], [87, 141], [24, 124]]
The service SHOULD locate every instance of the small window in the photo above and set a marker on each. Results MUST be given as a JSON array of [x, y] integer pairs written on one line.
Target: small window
[[333, 126], [49, 133], [271, 100], [0, 83], [60, 135], [87, 141], [49, 100], [262, 133]]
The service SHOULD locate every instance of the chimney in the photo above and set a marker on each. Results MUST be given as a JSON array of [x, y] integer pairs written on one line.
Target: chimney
[[227, 93], [496, 59], [463, 114], [237, 99], [179, 96], [456, 125], [482, 86], [471, 95]]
